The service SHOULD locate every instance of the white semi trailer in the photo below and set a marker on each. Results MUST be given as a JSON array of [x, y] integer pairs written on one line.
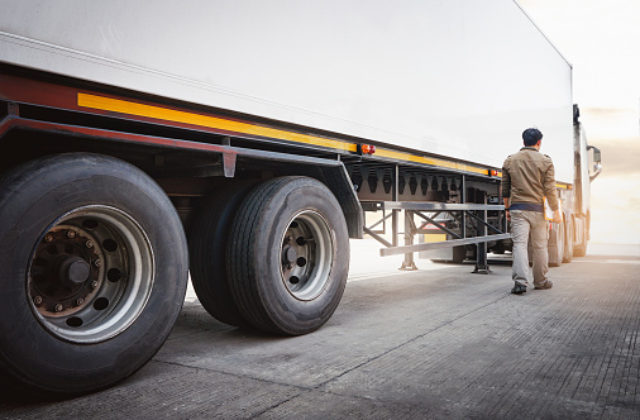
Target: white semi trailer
[[265, 131]]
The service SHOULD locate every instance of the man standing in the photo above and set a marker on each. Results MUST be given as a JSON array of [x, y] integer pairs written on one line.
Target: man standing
[[528, 177]]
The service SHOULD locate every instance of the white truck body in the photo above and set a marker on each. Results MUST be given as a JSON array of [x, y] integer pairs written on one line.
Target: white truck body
[[234, 140], [428, 75]]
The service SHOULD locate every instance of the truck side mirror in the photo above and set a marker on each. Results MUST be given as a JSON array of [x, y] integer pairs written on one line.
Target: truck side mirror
[[597, 162]]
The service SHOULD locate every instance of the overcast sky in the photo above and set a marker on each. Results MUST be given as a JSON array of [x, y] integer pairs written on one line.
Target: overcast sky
[[601, 38]]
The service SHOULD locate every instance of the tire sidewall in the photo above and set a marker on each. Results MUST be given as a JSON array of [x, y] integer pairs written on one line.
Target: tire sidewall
[[47, 191], [208, 242], [290, 314], [568, 240], [556, 245]]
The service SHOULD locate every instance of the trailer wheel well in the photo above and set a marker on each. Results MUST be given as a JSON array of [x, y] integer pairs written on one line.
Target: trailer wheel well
[[186, 176]]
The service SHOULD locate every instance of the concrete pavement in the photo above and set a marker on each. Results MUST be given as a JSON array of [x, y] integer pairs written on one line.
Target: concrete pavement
[[439, 342]]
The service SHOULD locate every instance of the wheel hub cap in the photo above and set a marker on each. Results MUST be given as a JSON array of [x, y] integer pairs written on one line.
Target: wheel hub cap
[[91, 274], [307, 255]]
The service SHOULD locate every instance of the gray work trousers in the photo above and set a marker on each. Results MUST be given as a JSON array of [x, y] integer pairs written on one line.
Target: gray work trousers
[[531, 225]]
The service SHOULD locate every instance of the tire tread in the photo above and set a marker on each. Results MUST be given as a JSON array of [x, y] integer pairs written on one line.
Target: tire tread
[[247, 236]]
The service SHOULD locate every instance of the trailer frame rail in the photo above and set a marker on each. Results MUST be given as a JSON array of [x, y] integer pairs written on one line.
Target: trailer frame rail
[[465, 212]]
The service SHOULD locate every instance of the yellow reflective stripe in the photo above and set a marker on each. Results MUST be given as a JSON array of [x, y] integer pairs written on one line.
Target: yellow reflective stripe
[[103, 103], [133, 108], [392, 154]]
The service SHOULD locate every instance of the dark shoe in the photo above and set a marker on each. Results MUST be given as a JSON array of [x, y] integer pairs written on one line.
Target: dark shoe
[[546, 285], [518, 289]]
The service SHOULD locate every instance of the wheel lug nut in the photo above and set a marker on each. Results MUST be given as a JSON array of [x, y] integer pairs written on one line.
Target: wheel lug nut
[[71, 234], [79, 301], [59, 307], [98, 263], [94, 284], [37, 300], [89, 244], [48, 237]]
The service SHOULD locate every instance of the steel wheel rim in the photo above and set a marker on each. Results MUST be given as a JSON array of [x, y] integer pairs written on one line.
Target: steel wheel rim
[[90, 274], [307, 255]]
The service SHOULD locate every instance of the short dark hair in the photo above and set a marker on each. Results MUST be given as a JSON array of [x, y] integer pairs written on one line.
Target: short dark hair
[[531, 136]]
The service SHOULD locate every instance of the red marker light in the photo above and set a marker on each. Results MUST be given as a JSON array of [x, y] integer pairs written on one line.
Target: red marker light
[[494, 172], [368, 149]]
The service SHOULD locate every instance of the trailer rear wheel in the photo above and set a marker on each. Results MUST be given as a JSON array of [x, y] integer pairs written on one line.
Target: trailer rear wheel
[[289, 255], [568, 240], [459, 254], [580, 249], [556, 245], [94, 271], [208, 241]]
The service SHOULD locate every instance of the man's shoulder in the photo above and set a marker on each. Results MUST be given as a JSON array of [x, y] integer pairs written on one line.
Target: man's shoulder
[[536, 156], [544, 162], [520, 154]]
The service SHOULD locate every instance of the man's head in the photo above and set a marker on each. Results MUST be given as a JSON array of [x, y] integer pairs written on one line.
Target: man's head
[[531, 136]]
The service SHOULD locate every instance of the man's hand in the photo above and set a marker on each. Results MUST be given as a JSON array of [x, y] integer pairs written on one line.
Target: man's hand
[[557, 217], [506, 208]]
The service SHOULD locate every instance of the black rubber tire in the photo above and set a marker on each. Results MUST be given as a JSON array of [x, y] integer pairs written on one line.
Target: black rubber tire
[[459, 254], [208, 242], [254, 256], [568, 241], [580, 249], [32, 197], [556, 245]]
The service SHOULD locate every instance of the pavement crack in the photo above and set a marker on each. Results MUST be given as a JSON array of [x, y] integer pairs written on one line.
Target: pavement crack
[[235, 375], [302, 389], [409, 341], [274, 406]]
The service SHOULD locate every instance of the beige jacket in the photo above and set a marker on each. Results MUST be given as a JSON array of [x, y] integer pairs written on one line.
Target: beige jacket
[[528, 177]]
